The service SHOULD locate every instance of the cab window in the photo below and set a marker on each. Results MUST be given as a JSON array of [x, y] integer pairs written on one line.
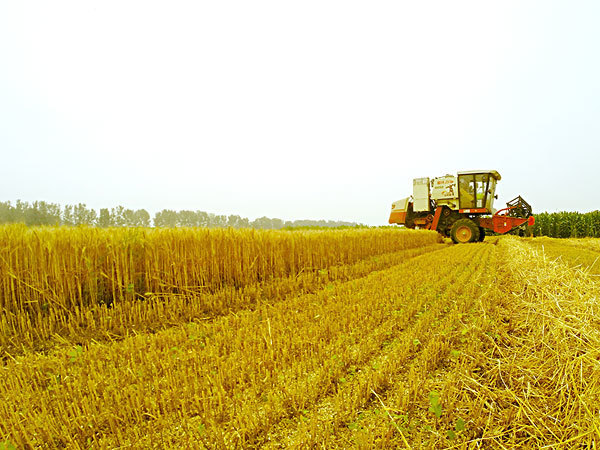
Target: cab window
[[473, 190]]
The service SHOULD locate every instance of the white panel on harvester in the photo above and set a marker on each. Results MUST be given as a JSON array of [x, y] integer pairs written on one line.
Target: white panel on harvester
[[421, 194]]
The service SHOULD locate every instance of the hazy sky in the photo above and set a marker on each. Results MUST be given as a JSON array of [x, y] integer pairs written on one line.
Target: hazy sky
[[312, 109]]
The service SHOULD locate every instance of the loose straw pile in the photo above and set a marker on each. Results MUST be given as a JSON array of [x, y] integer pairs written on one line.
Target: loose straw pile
[[538, 382]]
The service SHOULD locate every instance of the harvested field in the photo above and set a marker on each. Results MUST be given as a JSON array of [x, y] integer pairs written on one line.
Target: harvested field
[[403, 342], [582, 254]]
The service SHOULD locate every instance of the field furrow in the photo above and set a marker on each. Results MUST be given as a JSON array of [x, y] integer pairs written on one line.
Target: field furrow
[[238, 372], [520, 370], [339, 420]]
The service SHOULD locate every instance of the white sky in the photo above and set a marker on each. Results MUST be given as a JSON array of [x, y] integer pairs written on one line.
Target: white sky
[[313, 109]]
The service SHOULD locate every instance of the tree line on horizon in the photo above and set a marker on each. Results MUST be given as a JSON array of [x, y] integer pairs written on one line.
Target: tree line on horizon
[[44, 213]]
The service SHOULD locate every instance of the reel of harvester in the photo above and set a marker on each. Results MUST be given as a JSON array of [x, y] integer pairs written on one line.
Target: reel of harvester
[[518, 207]]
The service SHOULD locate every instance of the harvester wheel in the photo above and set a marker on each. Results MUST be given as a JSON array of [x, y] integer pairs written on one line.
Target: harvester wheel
[[481, 234], [463, 231]]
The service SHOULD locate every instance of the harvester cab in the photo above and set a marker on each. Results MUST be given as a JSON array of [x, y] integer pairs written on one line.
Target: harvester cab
[[459, 207]]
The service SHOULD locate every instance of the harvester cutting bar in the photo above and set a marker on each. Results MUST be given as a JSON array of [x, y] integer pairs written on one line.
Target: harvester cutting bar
[[506, 220]]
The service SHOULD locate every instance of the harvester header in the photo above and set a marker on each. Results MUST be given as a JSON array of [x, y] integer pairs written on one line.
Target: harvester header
[[460, 207]]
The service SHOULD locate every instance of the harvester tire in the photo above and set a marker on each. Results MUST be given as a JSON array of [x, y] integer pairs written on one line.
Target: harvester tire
[[481, 234], [464, 231]]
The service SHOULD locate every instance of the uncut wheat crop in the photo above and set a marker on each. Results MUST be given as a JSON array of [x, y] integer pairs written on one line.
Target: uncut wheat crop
[[101, 283]]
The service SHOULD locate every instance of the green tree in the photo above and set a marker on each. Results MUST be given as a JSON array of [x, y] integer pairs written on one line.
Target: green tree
[[104, 218], [117, 215], [129, 218], [142, 218], [203, 220], [84, 216], [6, 212], [234, 221], [67, 216], [165, 218], [187, 218], [262, 222]]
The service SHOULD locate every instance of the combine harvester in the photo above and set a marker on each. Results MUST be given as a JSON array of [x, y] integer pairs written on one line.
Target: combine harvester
[[459, 207]]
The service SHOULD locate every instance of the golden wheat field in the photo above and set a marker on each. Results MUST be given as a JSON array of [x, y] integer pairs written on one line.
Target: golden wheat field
[[357, 338]]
